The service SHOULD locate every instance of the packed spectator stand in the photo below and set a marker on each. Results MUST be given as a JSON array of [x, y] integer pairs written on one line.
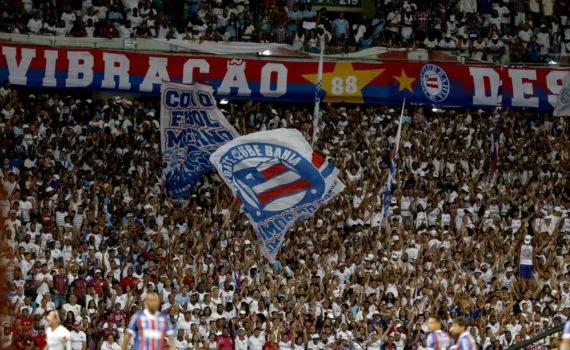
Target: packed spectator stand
[[499, 31], [93, 230]]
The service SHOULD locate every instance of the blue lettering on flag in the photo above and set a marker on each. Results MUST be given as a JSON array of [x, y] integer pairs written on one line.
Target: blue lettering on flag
[[192, 128], [277, 185]]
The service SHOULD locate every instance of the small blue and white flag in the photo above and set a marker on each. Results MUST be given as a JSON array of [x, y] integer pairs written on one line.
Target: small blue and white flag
[[318, 88], [279, 180], [191, 128], [392, 169]]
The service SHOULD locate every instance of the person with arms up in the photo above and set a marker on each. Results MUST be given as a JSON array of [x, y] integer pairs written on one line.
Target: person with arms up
[[150, 327], [58, 337], [465, 340], [437, 338]]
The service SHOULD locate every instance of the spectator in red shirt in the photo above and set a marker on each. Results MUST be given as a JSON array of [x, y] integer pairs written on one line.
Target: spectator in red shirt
[[129, 281], [225, 341], [188, 279], [40, 339], [21, 335], [98, 284], [79, 287], [60, 285], [108, 30], [271, 344], [26, 321]]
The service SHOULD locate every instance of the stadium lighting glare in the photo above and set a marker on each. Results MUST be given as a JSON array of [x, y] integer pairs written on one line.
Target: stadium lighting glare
[[265, 53], [436, 110], [223, 101], [552, 62]]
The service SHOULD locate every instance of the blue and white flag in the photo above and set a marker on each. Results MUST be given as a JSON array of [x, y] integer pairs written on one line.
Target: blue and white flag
[[392, 170], [279, 180], [191, 128], [562, 108], [318, 88]]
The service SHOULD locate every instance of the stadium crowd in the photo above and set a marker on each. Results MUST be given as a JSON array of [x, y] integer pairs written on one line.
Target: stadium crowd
[[492, 30], [93, 230]]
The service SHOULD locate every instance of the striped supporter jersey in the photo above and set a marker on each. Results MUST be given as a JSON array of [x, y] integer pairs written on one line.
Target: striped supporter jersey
[[149, 330], [438, 340], [465, 342]]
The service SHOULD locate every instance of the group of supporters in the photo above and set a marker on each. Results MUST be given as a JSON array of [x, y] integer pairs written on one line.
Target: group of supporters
[[92, 232]]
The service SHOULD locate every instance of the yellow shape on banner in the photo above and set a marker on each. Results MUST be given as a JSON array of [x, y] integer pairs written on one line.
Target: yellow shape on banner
[[405, 81], [345, 84]]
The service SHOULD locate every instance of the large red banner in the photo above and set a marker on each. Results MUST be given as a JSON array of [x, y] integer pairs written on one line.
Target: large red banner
[[288, 80]]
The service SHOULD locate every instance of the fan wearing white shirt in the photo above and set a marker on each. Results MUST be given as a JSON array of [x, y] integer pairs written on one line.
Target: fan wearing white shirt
[[91, 15], [125, 30], [110, 344], [73, 306], [35, 24], [44, 280], [58, 337], [181, 342], [185, 323], [241, 340], [78, 338], [256, 341], [68, 17]]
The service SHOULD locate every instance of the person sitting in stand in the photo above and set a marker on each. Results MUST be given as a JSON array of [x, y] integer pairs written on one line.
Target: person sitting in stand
[[108, 30]]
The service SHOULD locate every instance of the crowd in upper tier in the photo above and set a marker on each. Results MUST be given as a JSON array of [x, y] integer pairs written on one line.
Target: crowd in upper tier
[[93, 230], [491, 30]]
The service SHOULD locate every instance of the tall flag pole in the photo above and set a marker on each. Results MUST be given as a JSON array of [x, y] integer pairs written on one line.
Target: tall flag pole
[[494, 151], [318, 87], [495, 135], [392, 169]]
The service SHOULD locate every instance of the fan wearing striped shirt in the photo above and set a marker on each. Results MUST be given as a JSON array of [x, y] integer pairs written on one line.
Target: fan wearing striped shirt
[[437, 339], [150, 327], [460, 329]]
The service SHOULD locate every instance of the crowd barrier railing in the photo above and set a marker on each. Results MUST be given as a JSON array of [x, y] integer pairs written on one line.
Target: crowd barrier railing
[[275, 50]]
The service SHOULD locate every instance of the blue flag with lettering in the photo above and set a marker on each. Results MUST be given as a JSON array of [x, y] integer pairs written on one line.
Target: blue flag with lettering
[[191, 129], [279, 179]]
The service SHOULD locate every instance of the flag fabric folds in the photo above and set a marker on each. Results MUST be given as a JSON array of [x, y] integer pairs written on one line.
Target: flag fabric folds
[[279, 180], [191, 128]]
